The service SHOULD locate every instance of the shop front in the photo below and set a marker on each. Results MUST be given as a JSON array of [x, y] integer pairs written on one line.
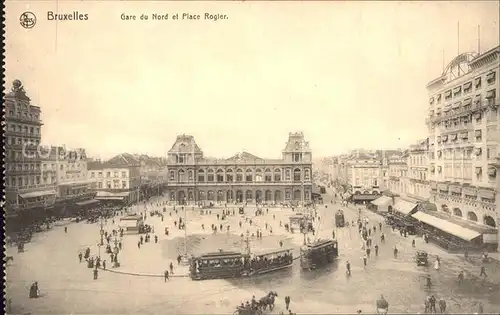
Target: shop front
[[451, 235], [382, 204]]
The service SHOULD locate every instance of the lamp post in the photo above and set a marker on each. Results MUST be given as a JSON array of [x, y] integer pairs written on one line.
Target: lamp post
[[102, 231]]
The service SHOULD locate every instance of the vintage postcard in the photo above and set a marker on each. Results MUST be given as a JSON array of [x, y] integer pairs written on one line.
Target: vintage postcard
[[251, 157]]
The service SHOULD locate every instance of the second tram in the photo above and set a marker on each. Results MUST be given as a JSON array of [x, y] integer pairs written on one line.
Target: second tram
[[218, 265], [318, 254]]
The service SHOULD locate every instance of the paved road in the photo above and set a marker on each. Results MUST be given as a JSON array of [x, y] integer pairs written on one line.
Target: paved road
[[67, 286]]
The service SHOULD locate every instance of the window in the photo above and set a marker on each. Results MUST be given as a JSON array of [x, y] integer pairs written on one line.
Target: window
[[190, 175], [229, 177], [491, 152], [307, 174], [61, 167], [116, 184], [124, 184], [287, 174], [477, 83], [99, 174], [491, 133], [108, 174], [467, 87], [478, 135], [210, 177], [268, 178], [92, 174], [491, 78], [492, 115], [172, 175], [124, 174], [99, 185], [115, 174], [201, 175], [108, 184], [296, 175]]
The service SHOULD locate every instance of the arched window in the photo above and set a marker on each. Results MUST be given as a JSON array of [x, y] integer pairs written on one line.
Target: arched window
[[489, 221], [190, 175], [201, 176], [172, 175], [258, 175], [181, 175], [296, 175], [307, 174], [288, 174], [249, 175], [471, 216], [210, 175], [457, 212], [229, 176], [239, 175], [220, 175]]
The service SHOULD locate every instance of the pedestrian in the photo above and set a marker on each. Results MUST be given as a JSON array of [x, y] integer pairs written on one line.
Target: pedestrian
[[139, 244], [156, 238], [376, 250], [80, 256], [368, 250], [433, 304], [483, 271], [171, 268], [461, 277], [348, 268], [281, 243], [120, 245], [333, 234], [442, 305], [480, 308], [287, 302], [395, 252], [104, 264], [165, 275], [95, 273], [65, 229], [365, 258]]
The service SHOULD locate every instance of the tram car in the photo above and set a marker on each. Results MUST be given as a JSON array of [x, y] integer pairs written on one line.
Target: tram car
[[269, 261], [219, 265], [318, 254], [339, 219]]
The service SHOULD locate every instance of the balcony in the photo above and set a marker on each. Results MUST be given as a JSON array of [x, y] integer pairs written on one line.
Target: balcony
[[25, 120], [242, 183], [22, 134], [23, 172]]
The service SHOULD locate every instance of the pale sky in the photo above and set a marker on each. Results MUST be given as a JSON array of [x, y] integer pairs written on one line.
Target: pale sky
[[348, 74]]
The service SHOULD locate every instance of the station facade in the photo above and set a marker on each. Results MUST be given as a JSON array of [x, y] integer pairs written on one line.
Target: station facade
[[242, 178]]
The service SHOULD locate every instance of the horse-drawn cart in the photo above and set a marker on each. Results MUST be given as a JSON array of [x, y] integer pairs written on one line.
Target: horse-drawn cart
[[247, 310]]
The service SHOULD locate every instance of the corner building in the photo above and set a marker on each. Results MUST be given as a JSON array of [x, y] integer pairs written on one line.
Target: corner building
[[27, 197], [464, 141], [242, 178]]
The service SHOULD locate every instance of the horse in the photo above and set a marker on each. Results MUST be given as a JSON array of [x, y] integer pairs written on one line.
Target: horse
[[268, 300]]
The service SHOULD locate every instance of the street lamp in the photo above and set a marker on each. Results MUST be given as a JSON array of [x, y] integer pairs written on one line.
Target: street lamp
[[102, 231]]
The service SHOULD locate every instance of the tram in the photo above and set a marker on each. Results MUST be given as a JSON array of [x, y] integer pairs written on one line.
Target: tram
[[318, 254], [339, 219], [266, 262], [219, 265]]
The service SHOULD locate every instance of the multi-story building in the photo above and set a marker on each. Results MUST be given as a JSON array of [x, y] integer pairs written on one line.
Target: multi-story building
[[398, 173], [27, 197], [116, 181], [464, 137], [418, 167], [67, 170], [241, 178]]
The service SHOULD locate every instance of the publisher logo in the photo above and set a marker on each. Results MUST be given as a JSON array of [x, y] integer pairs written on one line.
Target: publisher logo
[[27, 19]]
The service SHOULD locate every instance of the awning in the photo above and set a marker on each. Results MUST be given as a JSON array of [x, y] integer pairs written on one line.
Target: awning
[[369, 197], [457, 89], [491, 94], [453, 137], [438, 97], [87, 202], [431, 100], [447, 93], [464, 135], [382, 201], [33, 194], [467, 85], [467, 101], [479, 170], [405, 207], [111, 194], [477, 151], [478, 81], [445, 138], [457, 105], [446, 226], [105, 195]]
